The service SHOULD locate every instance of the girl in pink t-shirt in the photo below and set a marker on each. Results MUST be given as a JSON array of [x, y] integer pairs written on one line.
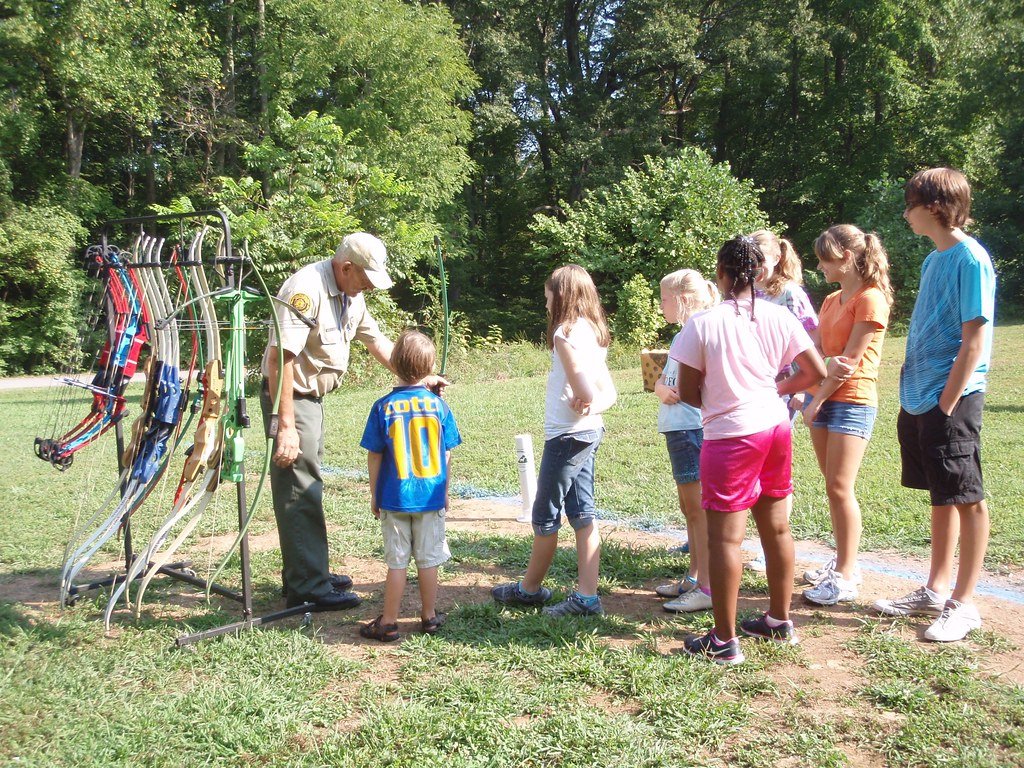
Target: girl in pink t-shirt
[[842, 413], [729, 357]]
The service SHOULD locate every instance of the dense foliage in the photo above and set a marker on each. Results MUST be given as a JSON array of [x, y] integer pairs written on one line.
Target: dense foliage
[[39, 307], [523, 134]]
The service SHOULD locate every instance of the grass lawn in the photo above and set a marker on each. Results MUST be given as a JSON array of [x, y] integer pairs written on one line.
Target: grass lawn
[[496, 687]]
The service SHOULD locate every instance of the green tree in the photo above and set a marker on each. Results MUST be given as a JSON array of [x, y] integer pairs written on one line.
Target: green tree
[[638, 319], [319, 191], [95, 86], [674, 213], [391, 74], [39, 303]]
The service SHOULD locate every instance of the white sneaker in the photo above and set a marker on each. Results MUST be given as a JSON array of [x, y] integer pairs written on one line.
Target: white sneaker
[[689, 602], [955, 621], [831, 590], [676, 588], [814, 576], [920, 602], [758, 565]]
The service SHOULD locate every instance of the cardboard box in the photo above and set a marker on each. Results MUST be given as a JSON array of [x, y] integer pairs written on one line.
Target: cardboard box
[[652, 363]]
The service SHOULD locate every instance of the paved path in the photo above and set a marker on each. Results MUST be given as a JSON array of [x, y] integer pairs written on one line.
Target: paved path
[[52, 380]]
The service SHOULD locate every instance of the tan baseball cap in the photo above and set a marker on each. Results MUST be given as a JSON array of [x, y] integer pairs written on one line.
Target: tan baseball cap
[[367, 252]]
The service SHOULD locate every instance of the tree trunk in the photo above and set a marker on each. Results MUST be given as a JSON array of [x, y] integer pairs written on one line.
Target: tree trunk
[[224, 151], [130, 183], [571, 34], [721, 153], [150, 166], [74, 142], [262, 85]]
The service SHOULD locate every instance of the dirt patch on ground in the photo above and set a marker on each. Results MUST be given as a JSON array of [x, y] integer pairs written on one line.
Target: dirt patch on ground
[[825, 631], [824, 634], [828, 673]]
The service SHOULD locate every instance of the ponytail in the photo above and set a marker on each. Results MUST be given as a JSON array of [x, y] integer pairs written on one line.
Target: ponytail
[[713, 295], [869, 256], [788, 267], [873, 265]]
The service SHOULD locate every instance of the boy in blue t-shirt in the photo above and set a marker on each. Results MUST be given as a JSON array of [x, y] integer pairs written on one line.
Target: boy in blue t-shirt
[[409, 436], [942, 393]]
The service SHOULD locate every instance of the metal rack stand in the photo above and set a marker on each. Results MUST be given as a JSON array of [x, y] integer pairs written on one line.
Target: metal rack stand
[[237, 293]]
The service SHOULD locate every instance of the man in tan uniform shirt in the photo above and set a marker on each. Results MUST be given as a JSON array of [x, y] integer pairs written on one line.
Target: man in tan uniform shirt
[[328, 293]]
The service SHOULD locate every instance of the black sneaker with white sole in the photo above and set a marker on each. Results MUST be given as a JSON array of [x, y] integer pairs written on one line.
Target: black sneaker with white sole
[[712, 649]]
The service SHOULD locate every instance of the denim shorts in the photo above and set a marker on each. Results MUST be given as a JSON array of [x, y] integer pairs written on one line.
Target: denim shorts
[[684, 453], [846, 418], [942, 454], [565, 482]]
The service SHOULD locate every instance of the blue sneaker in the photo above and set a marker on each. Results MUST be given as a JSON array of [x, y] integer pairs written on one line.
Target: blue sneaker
[[712, 649], [574, 606], [512, 594]]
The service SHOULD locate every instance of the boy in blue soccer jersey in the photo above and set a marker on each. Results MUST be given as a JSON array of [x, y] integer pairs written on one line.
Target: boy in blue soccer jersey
[[942, 392], [409, 435]]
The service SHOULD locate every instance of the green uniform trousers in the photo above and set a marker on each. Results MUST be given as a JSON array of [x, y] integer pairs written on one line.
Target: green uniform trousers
[[298, 493]]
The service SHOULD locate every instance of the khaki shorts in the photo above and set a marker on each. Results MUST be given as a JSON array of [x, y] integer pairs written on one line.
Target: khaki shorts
[[419, 536]]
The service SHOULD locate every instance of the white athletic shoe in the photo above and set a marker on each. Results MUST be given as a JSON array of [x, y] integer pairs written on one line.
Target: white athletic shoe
[[676, 588], [921, 602], [757, 565], [955, 621], [814, 576], [689, 602], [831, 590]]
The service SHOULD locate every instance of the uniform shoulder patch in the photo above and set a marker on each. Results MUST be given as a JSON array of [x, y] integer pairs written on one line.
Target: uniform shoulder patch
[[301, 302]]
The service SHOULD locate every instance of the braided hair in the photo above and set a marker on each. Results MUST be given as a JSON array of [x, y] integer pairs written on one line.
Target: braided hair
[[741, 260]]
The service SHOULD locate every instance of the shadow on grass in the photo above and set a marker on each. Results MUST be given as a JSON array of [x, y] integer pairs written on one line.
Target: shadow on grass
[[16, 621], [620, 565], [1004, 408]]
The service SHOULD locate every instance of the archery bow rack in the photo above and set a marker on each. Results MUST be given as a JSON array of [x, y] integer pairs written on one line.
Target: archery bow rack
[[165, 404]]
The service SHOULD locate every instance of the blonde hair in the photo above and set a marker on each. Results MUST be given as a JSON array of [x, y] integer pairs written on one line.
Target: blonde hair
[[691, 291], [788, 267], [413, 356], [869, 256], [574, 297]]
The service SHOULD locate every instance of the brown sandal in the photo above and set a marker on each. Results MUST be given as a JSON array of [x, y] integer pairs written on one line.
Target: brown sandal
[[375, 630], [430, 626]]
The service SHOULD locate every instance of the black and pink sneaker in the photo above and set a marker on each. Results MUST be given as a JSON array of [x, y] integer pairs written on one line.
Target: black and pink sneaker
[[711, 648], [784, 634]]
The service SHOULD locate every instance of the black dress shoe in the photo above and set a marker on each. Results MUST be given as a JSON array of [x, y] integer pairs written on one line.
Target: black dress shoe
[[335, 600], [339, 581]]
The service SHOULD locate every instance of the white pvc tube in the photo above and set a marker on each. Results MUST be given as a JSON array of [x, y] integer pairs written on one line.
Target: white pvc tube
[[527, 476]]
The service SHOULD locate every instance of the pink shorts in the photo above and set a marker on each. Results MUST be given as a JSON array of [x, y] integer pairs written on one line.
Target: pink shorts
[[736, 471]]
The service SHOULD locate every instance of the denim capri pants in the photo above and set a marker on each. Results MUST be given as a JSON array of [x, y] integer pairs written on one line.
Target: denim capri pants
[[565, 482]]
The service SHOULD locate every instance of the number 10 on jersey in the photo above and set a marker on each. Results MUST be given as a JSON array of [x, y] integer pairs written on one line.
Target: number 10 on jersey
[[417, 446]]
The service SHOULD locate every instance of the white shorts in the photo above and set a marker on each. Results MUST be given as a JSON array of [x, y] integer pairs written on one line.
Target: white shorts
[[414, 535]]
